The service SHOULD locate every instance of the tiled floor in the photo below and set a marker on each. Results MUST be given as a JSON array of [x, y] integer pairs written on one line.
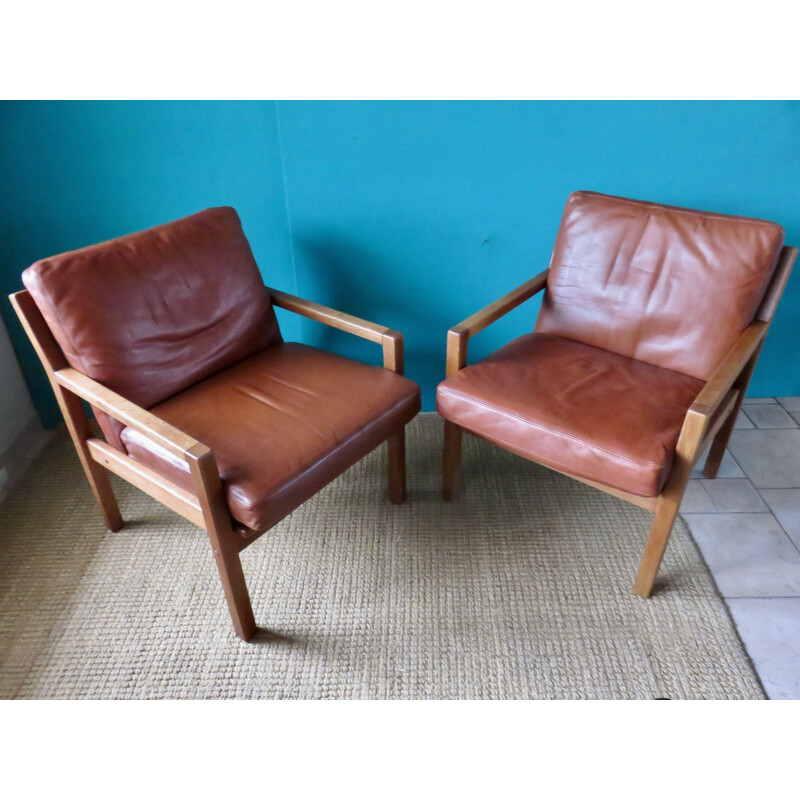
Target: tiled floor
[[747, 525]]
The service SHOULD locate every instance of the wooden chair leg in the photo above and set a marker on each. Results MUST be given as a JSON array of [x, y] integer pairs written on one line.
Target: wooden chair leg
[[396, 452], [104, 494], [223, 540], [52, 358], [231, 574], [451, 460], [656, 545], [78, 427], [718, 445], [668, 504]]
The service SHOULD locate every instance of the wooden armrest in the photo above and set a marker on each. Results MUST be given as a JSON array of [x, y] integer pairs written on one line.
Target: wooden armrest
[[720, 383], [719, 398], [486, 316], [458, 335], [390, 340], [161, 432]]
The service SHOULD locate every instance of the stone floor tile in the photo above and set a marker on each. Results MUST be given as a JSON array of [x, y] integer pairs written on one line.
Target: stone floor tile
[[734, 495], [770, 458], [769, 416], [742, 420], [696, 499], [791, 404], [749, 555], [770, 630], [785, 505]]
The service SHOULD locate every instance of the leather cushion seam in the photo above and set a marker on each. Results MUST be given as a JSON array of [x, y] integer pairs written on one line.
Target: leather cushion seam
[[687, 211], [567, 468]]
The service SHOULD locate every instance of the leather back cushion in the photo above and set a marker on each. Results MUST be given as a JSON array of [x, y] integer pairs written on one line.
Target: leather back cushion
[[152, 313], [664, 285]]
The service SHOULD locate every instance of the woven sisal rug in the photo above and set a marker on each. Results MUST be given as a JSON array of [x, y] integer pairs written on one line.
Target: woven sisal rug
[[519, 589]]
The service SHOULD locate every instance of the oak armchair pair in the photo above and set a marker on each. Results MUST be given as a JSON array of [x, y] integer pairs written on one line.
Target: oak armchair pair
[[652, 321]]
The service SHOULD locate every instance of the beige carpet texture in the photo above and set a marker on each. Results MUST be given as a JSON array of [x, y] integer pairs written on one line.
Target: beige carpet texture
[[519, 589]]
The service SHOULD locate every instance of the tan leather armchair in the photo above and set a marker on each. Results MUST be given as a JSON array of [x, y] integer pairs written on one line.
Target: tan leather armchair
[[171, 336], [652, 320]]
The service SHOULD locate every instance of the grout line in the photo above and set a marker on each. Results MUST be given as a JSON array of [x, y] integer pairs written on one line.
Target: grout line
[[763, 597], [747, 416], [766, 502], [717, 480], [730, 453], [759, 401], [783, 531], [728, 511]]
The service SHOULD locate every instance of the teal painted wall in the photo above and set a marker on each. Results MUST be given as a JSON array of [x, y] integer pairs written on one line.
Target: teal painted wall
[[420, 213], [75, 173], [411, 214]]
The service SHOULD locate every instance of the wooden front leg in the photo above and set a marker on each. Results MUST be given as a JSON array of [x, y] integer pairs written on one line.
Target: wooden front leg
[[223, 541]]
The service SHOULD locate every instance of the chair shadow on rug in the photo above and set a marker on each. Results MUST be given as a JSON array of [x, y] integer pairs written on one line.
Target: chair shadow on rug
[[271, 638]]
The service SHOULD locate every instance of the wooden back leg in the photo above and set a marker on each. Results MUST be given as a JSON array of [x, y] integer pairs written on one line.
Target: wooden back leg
[[396, 452], [720, 442], [78, 426], [75, 417], [451, 460]]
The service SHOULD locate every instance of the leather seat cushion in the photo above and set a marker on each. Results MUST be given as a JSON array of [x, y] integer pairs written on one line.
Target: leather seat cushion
[[669, 286], [282, 424], [575, 408]]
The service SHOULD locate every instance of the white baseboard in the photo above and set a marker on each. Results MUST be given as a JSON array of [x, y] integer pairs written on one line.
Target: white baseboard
[[17, 456]]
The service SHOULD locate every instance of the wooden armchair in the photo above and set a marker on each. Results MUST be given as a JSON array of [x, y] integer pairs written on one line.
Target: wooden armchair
[[171, 336], [650, 328]]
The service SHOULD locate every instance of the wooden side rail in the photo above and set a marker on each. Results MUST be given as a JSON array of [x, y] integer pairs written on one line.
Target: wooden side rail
[[149, 481], [162, 433], [390, 340], [192, 506]]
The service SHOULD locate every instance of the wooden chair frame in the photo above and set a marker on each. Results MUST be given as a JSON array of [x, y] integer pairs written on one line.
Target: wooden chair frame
[[709, 420], [207, 506]]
